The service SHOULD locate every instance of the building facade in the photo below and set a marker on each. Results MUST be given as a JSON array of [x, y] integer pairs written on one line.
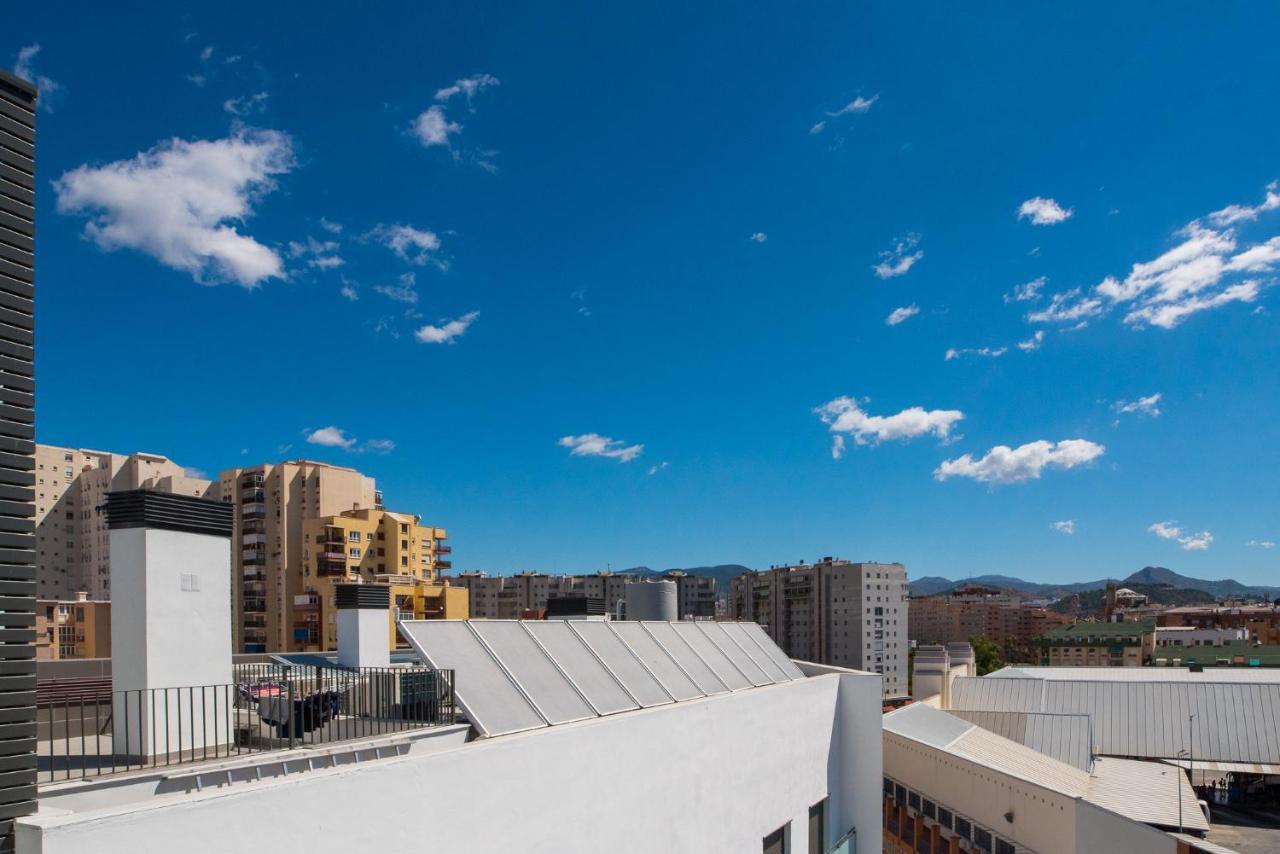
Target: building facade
[[273, 501], [833, 612], [79, 628], [967, 613], [1087, 644], [525, 594], [72, 549], [17, 447], [372, 546]]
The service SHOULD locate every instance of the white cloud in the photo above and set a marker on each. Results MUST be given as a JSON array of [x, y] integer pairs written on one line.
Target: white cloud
[[198, 79], [1187, 541], [246, 105], [1067, 307], [445, 333], [1065, 526], [379, 446], [405, 292], [207, 53], [331, 437], [985, 352], [900, 259], [1149, 405], [1003, 464], [1261, 544], [349, 291], [331, 227], [468, 86], [1027, 291], [595, 445], [837, 447], [817, 128], [844, 415], [50, 90], [1043, 211], [902, 313], [181, 202], [857, 106], [759, 237], [1169, 315], [411, 244], [319, 254], [1033, 343], [431, 127], [662, 466], [1233, 214]]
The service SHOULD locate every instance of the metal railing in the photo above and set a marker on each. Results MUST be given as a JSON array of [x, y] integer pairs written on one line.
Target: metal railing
[[89, 730]]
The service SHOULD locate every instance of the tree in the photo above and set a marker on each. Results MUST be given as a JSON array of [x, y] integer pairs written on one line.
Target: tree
[[986, 655]]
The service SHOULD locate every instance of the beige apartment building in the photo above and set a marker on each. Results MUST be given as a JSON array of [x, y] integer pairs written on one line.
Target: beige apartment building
[[79, 628], [369, 545], [509, 597], [975, 611], [1090, 644], [72, 546], [272, 503], [833, 612]]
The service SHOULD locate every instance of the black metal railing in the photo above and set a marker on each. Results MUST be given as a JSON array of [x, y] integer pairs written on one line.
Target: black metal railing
[[89, 730]]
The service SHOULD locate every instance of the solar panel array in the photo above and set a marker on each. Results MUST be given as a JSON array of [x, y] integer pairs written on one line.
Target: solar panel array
[[515, 675]]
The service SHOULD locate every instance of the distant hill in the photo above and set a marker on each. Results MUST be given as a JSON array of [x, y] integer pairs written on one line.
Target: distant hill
[[1148, 575], [1159, 594], [723, 573]]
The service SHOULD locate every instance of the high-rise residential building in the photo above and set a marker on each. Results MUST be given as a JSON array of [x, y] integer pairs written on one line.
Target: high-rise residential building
[[976, 611], [833, 612], [72, 549], [695, 595], [80, 628], [273, 501], [369, 545], [17, 448], [508, 597]]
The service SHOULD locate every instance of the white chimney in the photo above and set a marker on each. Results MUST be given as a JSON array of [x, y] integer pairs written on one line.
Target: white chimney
[[364, 638], [170, 621]]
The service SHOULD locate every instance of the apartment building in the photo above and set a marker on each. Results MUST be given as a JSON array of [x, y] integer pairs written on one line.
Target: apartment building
[[72, 549], [1087, 644], [273, 501], [1261, 623], [833, 612], [369, 545], [509, 597], [79, 628], [695, 595], [980, 612]]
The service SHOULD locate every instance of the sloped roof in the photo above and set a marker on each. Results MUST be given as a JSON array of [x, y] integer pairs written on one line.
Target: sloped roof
[[1066, 738]]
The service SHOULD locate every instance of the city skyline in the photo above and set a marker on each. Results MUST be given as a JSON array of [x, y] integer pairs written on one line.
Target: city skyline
[[523, 282]]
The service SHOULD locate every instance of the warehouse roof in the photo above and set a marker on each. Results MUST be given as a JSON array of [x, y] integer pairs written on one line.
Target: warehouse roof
[[1138, 674], [1064, 737]]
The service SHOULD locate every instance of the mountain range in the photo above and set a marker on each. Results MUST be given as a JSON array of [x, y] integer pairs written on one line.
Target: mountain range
[[1148, 575], [723, 573]]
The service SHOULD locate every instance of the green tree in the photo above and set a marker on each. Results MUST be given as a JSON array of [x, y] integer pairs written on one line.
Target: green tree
[[986, 655]]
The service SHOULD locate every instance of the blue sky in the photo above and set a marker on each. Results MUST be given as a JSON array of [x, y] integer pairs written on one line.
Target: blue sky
[[614, 284]]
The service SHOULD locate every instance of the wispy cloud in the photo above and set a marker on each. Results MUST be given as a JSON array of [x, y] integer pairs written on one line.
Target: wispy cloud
[[837, 447], [1033, 343], [50, 90], [595, 445], [759, 237], [902, 313], [857, 106], [417, 246], [447, 331], [1185, 540], [181, 203], [246, 105], [1043, 211], [468, 86], [1027, 291], [1065, 526], [432, 127], [817, 128], [405, 292], [1261, 544], [1005, 465], [900, 259], [662, 466], [330, 226], [350, 291], [845, 415], [1232, 214], [320, 254], [330, 437], [981, 352], [1149, 405]]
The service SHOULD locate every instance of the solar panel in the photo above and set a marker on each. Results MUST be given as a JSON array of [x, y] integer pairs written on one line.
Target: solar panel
[[734, 653], [676, 682], [623, 662], [769, 648], [726, 671], [690, 662], [544, 683], [737, 633], [492, 702], [600, 687]]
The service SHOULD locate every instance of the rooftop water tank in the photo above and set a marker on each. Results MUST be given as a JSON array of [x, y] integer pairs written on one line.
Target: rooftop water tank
[[652, 600]]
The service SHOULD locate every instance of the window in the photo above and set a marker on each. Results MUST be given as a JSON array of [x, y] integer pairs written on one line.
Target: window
[[354, 536], [355, 553], [963, 829], [929, 809], [817, 828], [982, 839], [776, 842], [1003, 847], [913, 801], [944, 817]]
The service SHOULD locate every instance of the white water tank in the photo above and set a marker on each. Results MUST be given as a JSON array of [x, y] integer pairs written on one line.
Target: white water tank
[[652, 600]]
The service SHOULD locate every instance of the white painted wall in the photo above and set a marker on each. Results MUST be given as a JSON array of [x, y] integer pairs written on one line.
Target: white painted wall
[[362, 637], [706, 776], [170, 629]]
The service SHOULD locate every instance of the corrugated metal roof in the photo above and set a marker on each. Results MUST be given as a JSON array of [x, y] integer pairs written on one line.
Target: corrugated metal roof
[[1017, 760], [1132, 788], [1234, 722], [1064, 737], [1138, 674], [920, 722]]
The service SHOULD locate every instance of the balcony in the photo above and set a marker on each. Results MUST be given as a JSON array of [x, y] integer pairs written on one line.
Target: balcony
[[338, 556], [253, 556], [259, 587], [253, 511], [325, 570], [444, 564], [253, 539], [306, 602], [444, 550]]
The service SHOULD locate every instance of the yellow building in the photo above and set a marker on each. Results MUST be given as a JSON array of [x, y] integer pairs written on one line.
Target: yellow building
[[80, 628], [376, 546]]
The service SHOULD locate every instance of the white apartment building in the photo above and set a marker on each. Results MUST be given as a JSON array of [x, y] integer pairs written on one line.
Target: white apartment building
[[72, 553], [833, 612]]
